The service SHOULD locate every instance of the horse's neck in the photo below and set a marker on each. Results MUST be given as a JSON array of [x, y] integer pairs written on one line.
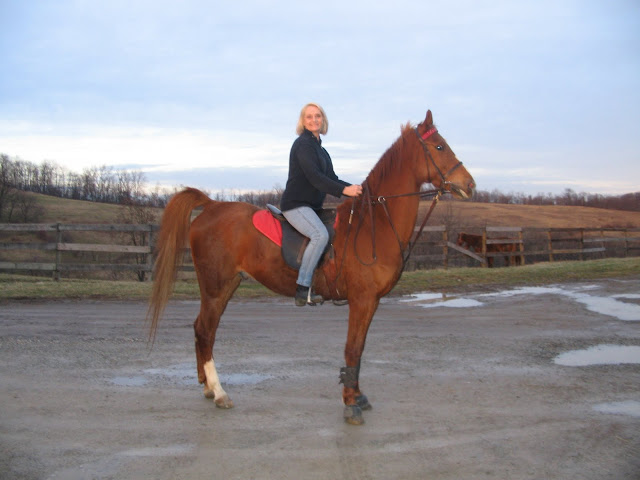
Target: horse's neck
[[403, 210]]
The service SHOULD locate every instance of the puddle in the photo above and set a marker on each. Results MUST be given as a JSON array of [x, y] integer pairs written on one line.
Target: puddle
[[172, 450], [184, 374], [628, 312], [129, 381], [430, 300], [243, 378], [629, 407], [454, 303], [613, 306], [630, 296], [425, 297], [600, 355]]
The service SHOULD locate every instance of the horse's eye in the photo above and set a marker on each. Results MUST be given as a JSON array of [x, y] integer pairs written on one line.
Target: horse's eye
[[440, 147]]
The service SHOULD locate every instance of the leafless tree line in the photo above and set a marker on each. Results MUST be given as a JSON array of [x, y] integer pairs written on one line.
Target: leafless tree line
[[98, 184], [628, 201], [127, 187]]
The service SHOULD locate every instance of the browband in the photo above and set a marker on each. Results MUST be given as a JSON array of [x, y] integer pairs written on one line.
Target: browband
[[428, 133]]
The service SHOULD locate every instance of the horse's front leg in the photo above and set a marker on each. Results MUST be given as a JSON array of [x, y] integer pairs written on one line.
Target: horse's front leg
[[351, 376], [360, 316]]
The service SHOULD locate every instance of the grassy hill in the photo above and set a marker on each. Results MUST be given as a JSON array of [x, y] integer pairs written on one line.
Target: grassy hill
[[62, 210], [452, 212]]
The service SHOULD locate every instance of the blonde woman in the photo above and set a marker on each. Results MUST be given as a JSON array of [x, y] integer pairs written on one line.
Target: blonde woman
[[311, 177]]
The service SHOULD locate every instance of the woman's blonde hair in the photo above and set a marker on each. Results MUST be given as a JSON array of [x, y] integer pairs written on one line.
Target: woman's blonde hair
[[325, 121]]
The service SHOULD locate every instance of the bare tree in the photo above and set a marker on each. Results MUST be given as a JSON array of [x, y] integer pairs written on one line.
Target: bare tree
[[139, 214]]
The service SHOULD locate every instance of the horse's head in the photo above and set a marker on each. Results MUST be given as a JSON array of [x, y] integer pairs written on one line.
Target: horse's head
[[441, 167], [461, 239]]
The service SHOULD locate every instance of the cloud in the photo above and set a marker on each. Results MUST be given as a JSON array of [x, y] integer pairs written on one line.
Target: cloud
[[530, 96]]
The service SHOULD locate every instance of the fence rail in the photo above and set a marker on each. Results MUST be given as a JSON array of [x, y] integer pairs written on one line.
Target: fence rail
[[132, 245]]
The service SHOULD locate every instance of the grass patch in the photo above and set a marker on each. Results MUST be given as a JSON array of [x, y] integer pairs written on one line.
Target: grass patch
[[22, 287], [536, 274]]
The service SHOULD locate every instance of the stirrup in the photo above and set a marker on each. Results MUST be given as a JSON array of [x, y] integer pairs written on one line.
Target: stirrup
[[315, 299], [303, 298]]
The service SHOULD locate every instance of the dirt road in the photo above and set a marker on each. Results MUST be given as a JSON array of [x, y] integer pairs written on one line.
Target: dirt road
[[466, 387]]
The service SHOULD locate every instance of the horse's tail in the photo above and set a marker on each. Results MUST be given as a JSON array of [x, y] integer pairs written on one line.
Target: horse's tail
[[172, 239]]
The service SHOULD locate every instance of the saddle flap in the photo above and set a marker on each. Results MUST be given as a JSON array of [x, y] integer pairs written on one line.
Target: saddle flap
[[271, 223]]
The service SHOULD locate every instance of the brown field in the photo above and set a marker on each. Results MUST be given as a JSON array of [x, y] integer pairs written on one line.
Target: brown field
[[458, 213], [469, 214]]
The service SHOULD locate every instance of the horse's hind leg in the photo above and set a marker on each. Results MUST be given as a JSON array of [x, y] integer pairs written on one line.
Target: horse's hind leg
[[212, 307]]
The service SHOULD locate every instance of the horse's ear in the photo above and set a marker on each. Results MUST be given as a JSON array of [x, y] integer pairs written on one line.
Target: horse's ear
[[428, 120]]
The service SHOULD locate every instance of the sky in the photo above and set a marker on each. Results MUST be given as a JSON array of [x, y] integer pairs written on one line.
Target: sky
[[534, 97]]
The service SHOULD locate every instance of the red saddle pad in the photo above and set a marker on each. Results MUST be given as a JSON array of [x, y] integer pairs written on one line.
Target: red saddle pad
[[266, 223]]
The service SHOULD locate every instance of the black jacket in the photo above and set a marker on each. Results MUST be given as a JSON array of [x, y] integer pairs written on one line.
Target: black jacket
[[311, 175]]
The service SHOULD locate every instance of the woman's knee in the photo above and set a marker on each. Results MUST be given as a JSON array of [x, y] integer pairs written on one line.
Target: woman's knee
[[320, 236]]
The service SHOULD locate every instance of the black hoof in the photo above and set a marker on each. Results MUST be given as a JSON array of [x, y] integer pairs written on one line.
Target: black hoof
[[353, 415], [363, 402]]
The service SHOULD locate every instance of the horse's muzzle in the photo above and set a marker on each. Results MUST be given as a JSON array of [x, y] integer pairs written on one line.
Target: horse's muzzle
[[464, 193]]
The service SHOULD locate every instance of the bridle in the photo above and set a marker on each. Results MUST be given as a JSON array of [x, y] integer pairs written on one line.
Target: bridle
[[368, 204], [443, 177]]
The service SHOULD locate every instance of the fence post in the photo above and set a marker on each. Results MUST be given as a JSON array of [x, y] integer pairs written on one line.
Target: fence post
[[150, 254], [56, 272], [626, 243], [581, 244], [521, 246], [445, 248], [484, 247], [550, 243]]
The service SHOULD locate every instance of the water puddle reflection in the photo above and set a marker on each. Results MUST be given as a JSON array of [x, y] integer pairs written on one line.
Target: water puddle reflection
[[620, 306], [629, 407], [183, 374], [129, 381], [430, 300], [600, 355]]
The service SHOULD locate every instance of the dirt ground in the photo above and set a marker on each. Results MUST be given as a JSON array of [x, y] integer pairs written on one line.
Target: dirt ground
[[457, 393]]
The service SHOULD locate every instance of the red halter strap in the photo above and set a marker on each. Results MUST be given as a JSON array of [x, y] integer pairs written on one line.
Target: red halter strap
[[428, 133]]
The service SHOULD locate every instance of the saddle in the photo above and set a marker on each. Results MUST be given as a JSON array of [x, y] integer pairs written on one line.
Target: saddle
[[273, 225]]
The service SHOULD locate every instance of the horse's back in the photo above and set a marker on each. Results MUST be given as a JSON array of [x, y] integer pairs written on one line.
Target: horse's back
[[223, 238], [222, 222]]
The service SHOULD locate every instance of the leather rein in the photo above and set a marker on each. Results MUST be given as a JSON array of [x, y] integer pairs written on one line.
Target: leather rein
[[382, 200]]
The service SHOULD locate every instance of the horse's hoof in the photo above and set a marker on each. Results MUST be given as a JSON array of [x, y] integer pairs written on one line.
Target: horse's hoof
[[353, 415], [363, 402], [223, 402]]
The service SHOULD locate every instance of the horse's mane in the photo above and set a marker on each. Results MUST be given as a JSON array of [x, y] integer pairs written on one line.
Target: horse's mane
[[390, 160]]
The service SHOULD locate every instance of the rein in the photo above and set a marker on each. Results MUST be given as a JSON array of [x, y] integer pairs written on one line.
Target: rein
[[382, 200], [367, 201]]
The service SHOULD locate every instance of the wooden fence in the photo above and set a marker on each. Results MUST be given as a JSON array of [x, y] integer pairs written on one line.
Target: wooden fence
[[58, 264], [60, 248]]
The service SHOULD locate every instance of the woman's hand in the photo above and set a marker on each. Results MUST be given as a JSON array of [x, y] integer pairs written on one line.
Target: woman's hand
[[352, 191]]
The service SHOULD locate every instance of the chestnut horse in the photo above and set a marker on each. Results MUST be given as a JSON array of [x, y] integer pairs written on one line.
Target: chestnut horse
[[474, 242], [369, 248]]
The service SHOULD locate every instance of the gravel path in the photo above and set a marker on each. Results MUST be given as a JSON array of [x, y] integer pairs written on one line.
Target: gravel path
[[466, 392]]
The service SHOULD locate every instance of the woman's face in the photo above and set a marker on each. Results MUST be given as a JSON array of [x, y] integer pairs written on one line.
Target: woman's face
[[312, 120]]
